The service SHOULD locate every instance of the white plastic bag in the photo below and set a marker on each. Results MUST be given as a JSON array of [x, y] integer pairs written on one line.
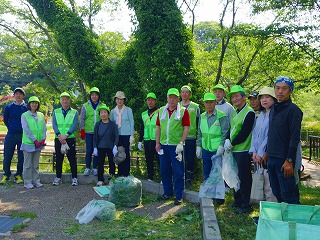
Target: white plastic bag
[[96, 208], [230, 170]]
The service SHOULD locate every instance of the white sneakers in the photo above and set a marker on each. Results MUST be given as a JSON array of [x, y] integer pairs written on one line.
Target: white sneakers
[[94, 172], [74, 182], [37, 184], [56, 181], [86, 172], [28, 185], [100, 183]]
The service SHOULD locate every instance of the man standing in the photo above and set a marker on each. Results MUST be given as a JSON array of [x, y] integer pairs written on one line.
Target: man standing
[[220, 92], [172, 129], [64, 123], [283, 140], [255, 103], [12, 119], [190, 144], [148, 133], [240, 141]]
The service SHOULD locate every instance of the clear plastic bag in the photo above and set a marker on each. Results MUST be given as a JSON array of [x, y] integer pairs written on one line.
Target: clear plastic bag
[[101, 209], [230, 170]]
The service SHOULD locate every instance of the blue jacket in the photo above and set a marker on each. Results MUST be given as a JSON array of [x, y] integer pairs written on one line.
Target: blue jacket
[[12, 117]]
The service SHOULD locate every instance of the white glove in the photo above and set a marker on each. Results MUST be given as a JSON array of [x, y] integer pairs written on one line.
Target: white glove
[[179, 157], [227, 145], [220, 151], [95, 152], [64, 148], [179, 148], [115, 150], [140, 146], [198, 152], [131, 140]]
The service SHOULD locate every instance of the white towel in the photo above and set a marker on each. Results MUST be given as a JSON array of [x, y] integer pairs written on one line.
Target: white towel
[[119, 117], [177, 117]]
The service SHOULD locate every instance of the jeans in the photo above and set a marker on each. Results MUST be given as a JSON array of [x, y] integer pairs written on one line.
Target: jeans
[[284, 189], [150, 153], [89, 151], [102, 152], [71, 155], [124, 167], [190, 155], [11, 141], [206, 162], [169, 166]]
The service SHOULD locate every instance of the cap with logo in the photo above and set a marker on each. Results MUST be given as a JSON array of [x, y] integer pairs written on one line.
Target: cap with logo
[[19, 89], [94, 89], [173, 91], [235, 89], [151, 95], [253, 94], [33, 99], [219, 86], [209, 97], [186, 87]]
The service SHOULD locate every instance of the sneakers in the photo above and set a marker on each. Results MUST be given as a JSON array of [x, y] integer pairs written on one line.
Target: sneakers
[[94, 172], [5, 179], [244, 210], [18, 179], [100, 183], [74, 182], [86, 172], [177, 201], [150, 180], [38, 184], [56, 181], [164, 197], [28, 185]]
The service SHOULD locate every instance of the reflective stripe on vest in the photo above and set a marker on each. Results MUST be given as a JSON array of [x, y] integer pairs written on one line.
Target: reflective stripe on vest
[[36, 128], [171, 129], [92, 117], [236, 126], [193, 111], [211, 137], [65, 123], [149, 125]]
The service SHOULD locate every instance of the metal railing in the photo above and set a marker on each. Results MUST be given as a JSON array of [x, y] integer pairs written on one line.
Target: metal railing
[[314, 145]]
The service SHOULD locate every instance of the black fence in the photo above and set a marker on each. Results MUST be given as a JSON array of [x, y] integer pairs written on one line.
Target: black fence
[[314, 144]]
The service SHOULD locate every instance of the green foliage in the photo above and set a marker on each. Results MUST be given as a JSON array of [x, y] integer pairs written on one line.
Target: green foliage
[[6, 90]]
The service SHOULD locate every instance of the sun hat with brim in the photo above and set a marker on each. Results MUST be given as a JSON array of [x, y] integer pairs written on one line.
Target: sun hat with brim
[[235, 89], [103, 107], [19, 89], [34, 99], [64, 94], [219, 86], [173, 91], [151, 95], [209, 97], [94, 89], [119, 95], [186, 87], [267, 90]]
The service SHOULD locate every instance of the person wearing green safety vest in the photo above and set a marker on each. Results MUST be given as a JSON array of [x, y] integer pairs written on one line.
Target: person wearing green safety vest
[[33, 141], [212, 131], [220, 92], [240, 140], [88, 118], [148, 134], [190, 144], [64, 124], [172, 129]]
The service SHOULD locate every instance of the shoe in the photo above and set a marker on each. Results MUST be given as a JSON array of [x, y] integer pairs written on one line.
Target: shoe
[[244, 210], [28, 185], [177, 201], [218, 201], [18, 179], [235, 205], [256, 220], [74, 182], [56, 181], [38, 184], [94, 172], [150, 180], [99, 183], [86, 172], [5, 179], [164, 197]]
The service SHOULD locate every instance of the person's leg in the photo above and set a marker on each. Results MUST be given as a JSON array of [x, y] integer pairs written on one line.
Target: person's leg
[[273, 177], [71, 154], [18, 141], [124, 167], [101, 160], [166, 171], [89, 149], [149, 154], [112, 166], [206, 163], [189, 154], [178, 172], [8, 151], [27, 167], [35, 167], [59, 157], [288, 188]]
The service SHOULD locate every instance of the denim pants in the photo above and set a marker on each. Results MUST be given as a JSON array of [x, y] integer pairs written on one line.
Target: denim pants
[[71, 155], [89, 151], [284, 189], [190, 155], [124, 167], [102, 152], [10, 142], [206, 162], [150, 154], [242, 196], [171, 167]]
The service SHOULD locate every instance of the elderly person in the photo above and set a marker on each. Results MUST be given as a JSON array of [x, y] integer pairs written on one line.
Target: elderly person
[[220, 92], [123, 117]]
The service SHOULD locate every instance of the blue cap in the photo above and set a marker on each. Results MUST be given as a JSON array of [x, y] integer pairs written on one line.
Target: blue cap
[[286, 80]]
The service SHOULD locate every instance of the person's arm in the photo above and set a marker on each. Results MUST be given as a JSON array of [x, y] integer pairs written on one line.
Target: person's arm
[[295, 119], [82, 117], [54, 124], [74, 126], [95, 135], [26, 128], [199, 138], [158, 145], [245, 130], [224, 124], [6, 116], [44, 131], [141, 132], [186, 125], [131, 121]]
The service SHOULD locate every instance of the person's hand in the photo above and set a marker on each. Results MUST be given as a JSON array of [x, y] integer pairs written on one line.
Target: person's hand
[[115, 150], [82, 134], [258, 158], [264, 159], [227, 145], [198, 152], [131, 140], [95, 152], [42, 143], [179, 148], [287, 169], [140, 146], [158, 147], [220, 151], [37, 143]]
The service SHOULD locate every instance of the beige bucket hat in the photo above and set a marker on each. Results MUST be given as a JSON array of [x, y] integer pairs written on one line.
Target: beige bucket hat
[[120, 95], [267, 90]]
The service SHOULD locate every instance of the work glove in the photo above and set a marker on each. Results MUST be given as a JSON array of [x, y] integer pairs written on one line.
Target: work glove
[[64, 148], [179, 148], [82, 134], [140, 146], [95, 152], [42, 143], [264, 160], [220, 151], [37, 143], [287, 169], [227, 145], [131, 140], [179, 156], [198, 152], [115, 150]]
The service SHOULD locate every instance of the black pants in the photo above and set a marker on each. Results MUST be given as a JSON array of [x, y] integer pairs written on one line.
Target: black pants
[[124, 167], [102, 152], [150, 153], [71, 155]]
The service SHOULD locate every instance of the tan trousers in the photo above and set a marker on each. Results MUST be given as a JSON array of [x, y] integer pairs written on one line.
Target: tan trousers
[[31, 167], [267, 188]]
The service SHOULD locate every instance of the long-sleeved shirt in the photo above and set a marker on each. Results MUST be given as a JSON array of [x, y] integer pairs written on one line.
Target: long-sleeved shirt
[[225, 107], [72, 129], [141, 132], [12, 117], [127, 122], [83, 114], [224, 124], [105, 135]]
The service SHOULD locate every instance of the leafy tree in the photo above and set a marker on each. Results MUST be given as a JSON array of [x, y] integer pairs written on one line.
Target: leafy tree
[[6, 90]]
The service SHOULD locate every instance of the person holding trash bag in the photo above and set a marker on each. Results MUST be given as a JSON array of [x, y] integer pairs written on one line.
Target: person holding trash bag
[[105, 140], [212, 132]]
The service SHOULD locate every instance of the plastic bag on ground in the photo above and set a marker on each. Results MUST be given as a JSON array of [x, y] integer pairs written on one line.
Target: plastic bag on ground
[[230, 170], [101, 209]]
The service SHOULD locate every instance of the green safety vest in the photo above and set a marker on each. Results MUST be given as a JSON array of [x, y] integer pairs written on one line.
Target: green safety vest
[[236, 125], [36, 128], [92, 116], [65, 123], [211, 137], [149, 125], [171, 129], [193, 111]]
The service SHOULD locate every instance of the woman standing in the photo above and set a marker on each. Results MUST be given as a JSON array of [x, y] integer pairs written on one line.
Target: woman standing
[[33, 141], [123, 117], [88, 118], [105, 140], [259, 140]]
